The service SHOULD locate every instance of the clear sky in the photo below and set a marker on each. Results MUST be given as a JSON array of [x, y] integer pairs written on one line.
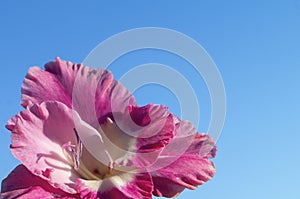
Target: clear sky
[[255, 44]]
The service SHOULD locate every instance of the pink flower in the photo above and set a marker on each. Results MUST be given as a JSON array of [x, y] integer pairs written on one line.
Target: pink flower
[[82, 135]]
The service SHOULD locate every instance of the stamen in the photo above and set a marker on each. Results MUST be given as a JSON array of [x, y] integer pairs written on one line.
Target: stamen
[[79, 143], [74, 150], [109, 169], [76, 160], [108, 120], [76, 133]]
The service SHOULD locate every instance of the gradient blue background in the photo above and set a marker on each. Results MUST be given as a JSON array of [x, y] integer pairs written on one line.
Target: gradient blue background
[[255, 44]]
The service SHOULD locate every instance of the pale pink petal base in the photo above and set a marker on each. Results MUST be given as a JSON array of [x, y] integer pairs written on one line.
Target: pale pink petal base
[[123, 186], [22, 184]]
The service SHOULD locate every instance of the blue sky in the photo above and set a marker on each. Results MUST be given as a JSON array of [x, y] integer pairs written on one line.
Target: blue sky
[[255, 45]]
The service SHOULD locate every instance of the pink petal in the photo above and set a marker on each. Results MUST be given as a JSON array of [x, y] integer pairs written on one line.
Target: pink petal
[[184, 134], [22, 184], [39, 86], [203, 145], [54, 83], [166, 187], [123, 186], [93, 93], [184, 162], [157, 132], [38, 134], [186, 172], [140, 115], [151, 127], [65, 72], [96, 96]]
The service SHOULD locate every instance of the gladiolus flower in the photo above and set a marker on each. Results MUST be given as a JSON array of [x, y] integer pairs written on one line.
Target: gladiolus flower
[[82, 135]]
